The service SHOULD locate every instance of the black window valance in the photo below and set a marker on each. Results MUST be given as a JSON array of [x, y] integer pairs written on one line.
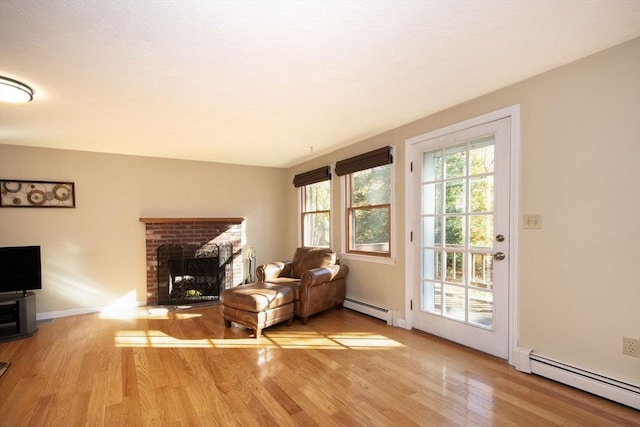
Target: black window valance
[[313, 176], [372, 159]]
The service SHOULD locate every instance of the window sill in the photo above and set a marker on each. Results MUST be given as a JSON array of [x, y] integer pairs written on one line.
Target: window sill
[[368, 258]]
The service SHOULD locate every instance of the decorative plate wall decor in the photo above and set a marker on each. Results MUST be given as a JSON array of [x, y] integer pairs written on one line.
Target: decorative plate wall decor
[[37, 194]]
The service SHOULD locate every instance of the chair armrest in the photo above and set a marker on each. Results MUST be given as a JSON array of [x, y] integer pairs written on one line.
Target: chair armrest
[[271, 270], [319, 276]]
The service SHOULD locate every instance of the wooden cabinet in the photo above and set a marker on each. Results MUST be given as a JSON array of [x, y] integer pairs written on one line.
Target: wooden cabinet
[[17, 316]]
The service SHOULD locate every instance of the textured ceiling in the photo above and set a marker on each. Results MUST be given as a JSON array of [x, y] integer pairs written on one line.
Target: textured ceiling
[[261, 82]]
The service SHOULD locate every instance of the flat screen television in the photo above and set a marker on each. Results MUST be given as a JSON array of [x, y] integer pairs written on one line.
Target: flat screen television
[[20, 269]]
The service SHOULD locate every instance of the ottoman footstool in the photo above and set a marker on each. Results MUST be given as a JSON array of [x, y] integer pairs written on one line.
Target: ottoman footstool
[[257, 306]]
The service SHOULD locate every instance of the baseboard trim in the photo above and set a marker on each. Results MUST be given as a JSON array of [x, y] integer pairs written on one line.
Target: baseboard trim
[[369, 309], [583, 379]]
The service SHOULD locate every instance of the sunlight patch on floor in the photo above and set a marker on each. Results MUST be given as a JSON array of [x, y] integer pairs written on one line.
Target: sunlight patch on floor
[[183, 316], [125, 312], [285, 340], [124, 308], [159, 339], [350, 340]]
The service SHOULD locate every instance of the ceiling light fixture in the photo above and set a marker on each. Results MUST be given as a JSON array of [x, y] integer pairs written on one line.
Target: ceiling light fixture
[[13, 91]]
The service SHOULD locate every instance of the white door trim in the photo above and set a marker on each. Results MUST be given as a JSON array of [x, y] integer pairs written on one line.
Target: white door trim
[[411, 208]]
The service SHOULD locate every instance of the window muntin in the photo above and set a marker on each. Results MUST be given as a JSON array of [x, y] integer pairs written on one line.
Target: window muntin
[[458, 209], [369, 196], [316, 214]]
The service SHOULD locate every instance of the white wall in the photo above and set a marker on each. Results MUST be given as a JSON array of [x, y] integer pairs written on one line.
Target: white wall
[[579, 284], [94, 255]]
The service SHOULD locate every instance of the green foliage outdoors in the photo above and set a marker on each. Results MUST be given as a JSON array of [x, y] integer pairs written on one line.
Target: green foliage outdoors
[[453, 187], [371, 192], [372, 188], [453, 184], [317, 198]]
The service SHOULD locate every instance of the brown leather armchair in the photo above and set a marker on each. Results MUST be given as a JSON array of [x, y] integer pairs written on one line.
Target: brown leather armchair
[[317, 280]]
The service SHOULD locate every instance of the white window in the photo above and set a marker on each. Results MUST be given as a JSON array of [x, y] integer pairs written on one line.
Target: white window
[[369, 210], [316, 214], [314, 207]]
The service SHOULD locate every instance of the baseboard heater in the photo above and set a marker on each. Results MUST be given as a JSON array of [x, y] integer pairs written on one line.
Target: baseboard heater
[[369, 309], [600, 385]]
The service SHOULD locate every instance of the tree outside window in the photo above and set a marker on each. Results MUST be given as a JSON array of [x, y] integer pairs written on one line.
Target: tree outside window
[[369, 211], [316, 210], [459, 198]]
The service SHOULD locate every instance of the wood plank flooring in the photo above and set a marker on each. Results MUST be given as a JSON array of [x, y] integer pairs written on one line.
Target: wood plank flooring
[[183, 368]]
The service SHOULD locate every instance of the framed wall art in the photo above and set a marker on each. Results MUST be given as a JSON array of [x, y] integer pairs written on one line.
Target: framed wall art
[[37, 194]]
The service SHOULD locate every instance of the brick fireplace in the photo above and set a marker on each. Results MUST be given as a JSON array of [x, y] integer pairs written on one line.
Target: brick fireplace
[[191, 231]]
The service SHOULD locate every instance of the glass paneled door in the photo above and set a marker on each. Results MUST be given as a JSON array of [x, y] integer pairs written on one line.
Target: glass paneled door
[[462, 282]]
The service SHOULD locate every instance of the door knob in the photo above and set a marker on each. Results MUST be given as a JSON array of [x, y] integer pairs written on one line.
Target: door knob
[[499, 256]]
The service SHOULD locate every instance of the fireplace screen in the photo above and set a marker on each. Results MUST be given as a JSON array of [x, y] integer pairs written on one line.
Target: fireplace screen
[[193, 273]]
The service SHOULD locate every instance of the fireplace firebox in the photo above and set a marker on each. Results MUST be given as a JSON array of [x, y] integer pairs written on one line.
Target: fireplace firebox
[[193, 273], [185, 232]]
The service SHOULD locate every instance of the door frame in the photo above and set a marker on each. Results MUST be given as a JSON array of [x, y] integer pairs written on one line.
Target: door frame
[[411, 208]]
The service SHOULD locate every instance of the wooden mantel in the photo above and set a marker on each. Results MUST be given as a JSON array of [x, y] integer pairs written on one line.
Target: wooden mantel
[[179, 220]]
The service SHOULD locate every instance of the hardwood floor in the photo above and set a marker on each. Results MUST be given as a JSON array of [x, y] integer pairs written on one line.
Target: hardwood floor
[[183, 368]]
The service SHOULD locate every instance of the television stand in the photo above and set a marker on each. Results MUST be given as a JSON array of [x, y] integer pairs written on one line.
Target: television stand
[[17, 316]]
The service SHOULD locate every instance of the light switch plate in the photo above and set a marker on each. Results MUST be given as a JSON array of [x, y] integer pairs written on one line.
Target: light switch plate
[[532, 221]]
